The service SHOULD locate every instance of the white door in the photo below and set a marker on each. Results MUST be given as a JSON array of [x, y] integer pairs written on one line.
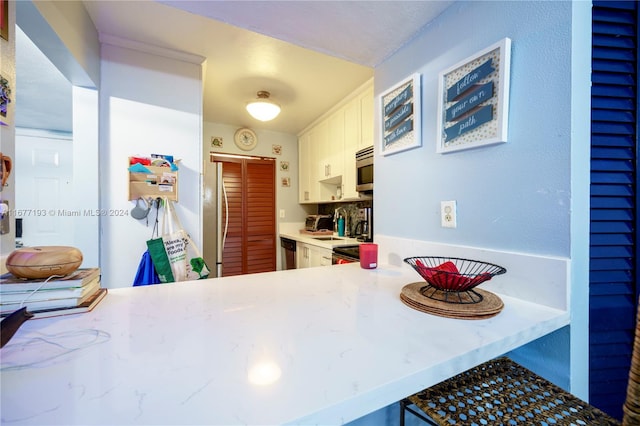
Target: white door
[[44, 176]]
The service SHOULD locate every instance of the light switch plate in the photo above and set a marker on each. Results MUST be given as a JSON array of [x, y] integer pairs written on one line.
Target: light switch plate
[[5, 219]]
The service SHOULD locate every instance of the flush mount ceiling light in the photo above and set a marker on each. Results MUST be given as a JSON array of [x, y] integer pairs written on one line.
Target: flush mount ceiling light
[[262, 108]]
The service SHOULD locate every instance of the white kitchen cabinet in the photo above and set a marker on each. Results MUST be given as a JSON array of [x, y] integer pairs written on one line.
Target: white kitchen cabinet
[[333, 155], [311, 147], [305, 192], [309, 256], [358, 134], [352, 133], [366, 118], [327, 148], [319, 140], [319, 256]]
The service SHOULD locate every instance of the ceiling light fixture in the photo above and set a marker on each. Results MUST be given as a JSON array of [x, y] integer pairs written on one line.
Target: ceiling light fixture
[[263, 108]]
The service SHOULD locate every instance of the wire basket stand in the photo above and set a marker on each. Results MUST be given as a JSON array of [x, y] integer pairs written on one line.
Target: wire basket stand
[[452, 279], [459, 297]]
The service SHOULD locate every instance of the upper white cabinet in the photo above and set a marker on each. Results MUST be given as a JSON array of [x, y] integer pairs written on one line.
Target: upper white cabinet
[[358, 128], [327, 148], [306, 192], [366, 117], [333, 155]]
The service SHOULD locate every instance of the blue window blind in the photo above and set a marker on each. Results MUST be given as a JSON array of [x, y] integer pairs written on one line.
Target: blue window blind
[[613, 248]]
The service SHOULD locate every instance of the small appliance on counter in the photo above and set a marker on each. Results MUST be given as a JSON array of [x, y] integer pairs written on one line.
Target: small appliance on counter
[[363, 229], [364, 170], [318, 222]]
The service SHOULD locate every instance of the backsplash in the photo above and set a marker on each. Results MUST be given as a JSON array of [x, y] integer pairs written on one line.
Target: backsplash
[[351, 209]]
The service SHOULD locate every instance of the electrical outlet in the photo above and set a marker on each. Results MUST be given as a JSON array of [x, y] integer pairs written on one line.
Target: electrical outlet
[[281, 213], [448, 214], [5, 217]]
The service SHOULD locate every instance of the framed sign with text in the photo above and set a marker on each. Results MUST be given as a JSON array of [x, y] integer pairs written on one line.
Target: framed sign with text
[[473, 100], [401, 116]]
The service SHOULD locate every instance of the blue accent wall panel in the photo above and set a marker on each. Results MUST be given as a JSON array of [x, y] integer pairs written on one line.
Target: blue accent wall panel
[[613, 246]]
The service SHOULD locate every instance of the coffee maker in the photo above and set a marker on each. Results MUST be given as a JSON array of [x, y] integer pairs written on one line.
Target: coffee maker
[[364, 225]]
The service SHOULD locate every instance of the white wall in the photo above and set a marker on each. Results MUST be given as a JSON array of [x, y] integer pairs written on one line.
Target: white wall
[[86, 166], [64, 32], [70, 35], [529, 195], [148, 104], [519, 196], [287, 197]]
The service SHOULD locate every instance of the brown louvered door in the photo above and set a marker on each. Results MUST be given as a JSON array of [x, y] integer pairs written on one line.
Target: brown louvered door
[[250, 245], [260, 222], [232, 251]]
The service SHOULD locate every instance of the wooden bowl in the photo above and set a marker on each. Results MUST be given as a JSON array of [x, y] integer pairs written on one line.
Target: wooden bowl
[[43, 261]]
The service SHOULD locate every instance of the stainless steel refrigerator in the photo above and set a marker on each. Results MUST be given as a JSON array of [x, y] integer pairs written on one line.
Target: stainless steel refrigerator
[[215, 221]]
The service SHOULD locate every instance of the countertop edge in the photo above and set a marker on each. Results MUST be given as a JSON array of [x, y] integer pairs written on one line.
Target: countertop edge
[[391, 393]]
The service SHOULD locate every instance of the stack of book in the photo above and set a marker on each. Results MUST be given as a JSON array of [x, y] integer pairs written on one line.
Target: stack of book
[[77, 292]]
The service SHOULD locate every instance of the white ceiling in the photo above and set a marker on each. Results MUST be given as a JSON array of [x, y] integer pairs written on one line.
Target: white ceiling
[[308, 54]]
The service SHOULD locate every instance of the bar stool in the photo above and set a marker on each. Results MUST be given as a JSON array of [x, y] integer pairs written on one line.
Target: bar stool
[[502, 392]]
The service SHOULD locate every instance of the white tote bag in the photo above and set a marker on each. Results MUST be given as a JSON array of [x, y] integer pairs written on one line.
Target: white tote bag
[[184, 257]]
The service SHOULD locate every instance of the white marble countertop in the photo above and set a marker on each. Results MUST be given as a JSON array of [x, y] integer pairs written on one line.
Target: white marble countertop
[[308, 346]]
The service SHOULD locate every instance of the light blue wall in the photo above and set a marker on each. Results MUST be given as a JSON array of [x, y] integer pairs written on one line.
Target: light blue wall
[[514, 196], [529, 195]]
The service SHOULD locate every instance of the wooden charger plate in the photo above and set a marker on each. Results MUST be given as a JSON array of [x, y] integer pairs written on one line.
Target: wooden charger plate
[[490, 305]]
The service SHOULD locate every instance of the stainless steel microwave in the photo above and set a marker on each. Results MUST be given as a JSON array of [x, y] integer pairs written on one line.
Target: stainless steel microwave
[[364, 169]]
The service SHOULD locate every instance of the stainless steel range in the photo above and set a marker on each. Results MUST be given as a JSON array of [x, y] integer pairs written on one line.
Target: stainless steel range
[[348, 254]]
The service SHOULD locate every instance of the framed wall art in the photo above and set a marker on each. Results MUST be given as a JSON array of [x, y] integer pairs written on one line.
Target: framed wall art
[[4, 19], [5, 100], [216, 141], [400, 107], [473, 100]]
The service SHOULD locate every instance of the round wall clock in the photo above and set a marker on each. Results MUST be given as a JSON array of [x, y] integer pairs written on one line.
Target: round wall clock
[[246, 139]]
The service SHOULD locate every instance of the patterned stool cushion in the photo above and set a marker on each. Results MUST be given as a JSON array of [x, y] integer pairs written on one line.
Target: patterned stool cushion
[[501, 392]]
